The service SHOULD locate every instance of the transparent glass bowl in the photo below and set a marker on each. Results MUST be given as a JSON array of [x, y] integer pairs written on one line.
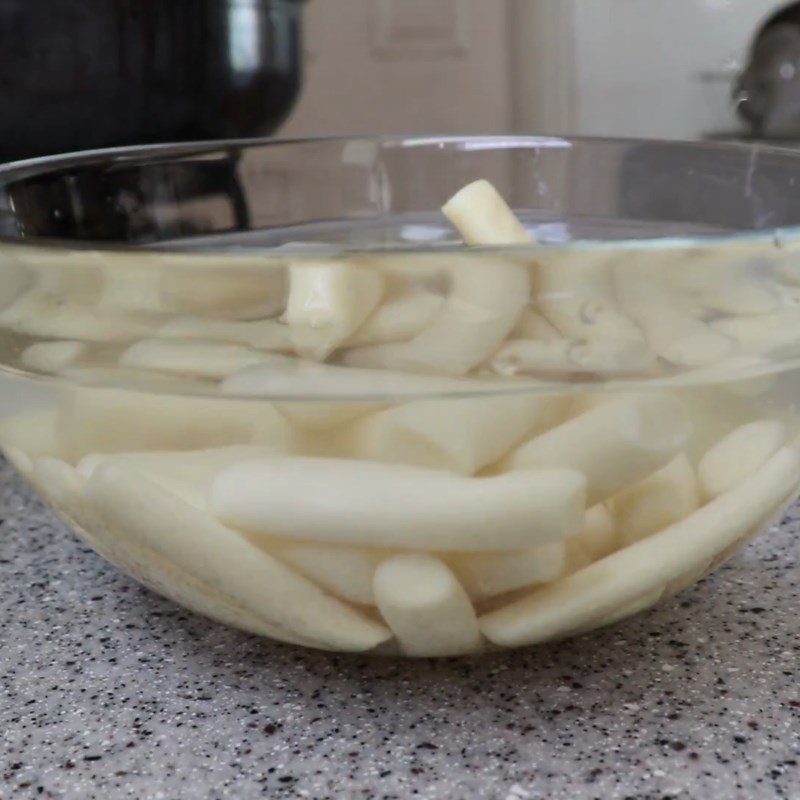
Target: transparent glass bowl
[[277, 383]]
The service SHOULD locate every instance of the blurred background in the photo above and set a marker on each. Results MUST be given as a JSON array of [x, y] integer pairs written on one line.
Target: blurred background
[[81, 74], [653, 68]]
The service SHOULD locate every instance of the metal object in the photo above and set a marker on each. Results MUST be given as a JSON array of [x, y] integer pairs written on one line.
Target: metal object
[[80, 74], [767, 96]]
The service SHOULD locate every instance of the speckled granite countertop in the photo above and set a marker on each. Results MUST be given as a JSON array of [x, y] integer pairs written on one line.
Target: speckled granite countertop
[[110, 692]]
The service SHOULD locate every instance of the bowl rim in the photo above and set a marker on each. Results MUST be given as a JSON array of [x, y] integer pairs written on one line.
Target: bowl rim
[[769, 238]]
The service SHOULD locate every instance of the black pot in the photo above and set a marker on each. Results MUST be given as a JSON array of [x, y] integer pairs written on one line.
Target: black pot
[[83, 74]]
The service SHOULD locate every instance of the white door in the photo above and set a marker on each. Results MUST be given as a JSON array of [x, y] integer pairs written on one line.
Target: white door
[[656, 68]]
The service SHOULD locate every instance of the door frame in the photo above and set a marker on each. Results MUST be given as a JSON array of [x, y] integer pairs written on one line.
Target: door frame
[[544, 69]]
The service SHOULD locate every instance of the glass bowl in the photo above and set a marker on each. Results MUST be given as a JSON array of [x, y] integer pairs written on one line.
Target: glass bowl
[[338, 393]]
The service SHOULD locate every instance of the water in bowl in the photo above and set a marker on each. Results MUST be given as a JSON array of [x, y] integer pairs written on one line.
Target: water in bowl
[[431, 453]]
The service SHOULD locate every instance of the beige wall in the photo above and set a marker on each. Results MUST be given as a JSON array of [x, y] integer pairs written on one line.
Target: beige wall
[[405, 66], [660, 68]]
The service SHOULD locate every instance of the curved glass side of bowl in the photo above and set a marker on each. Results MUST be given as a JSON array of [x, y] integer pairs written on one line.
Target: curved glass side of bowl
[[420, 397]]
